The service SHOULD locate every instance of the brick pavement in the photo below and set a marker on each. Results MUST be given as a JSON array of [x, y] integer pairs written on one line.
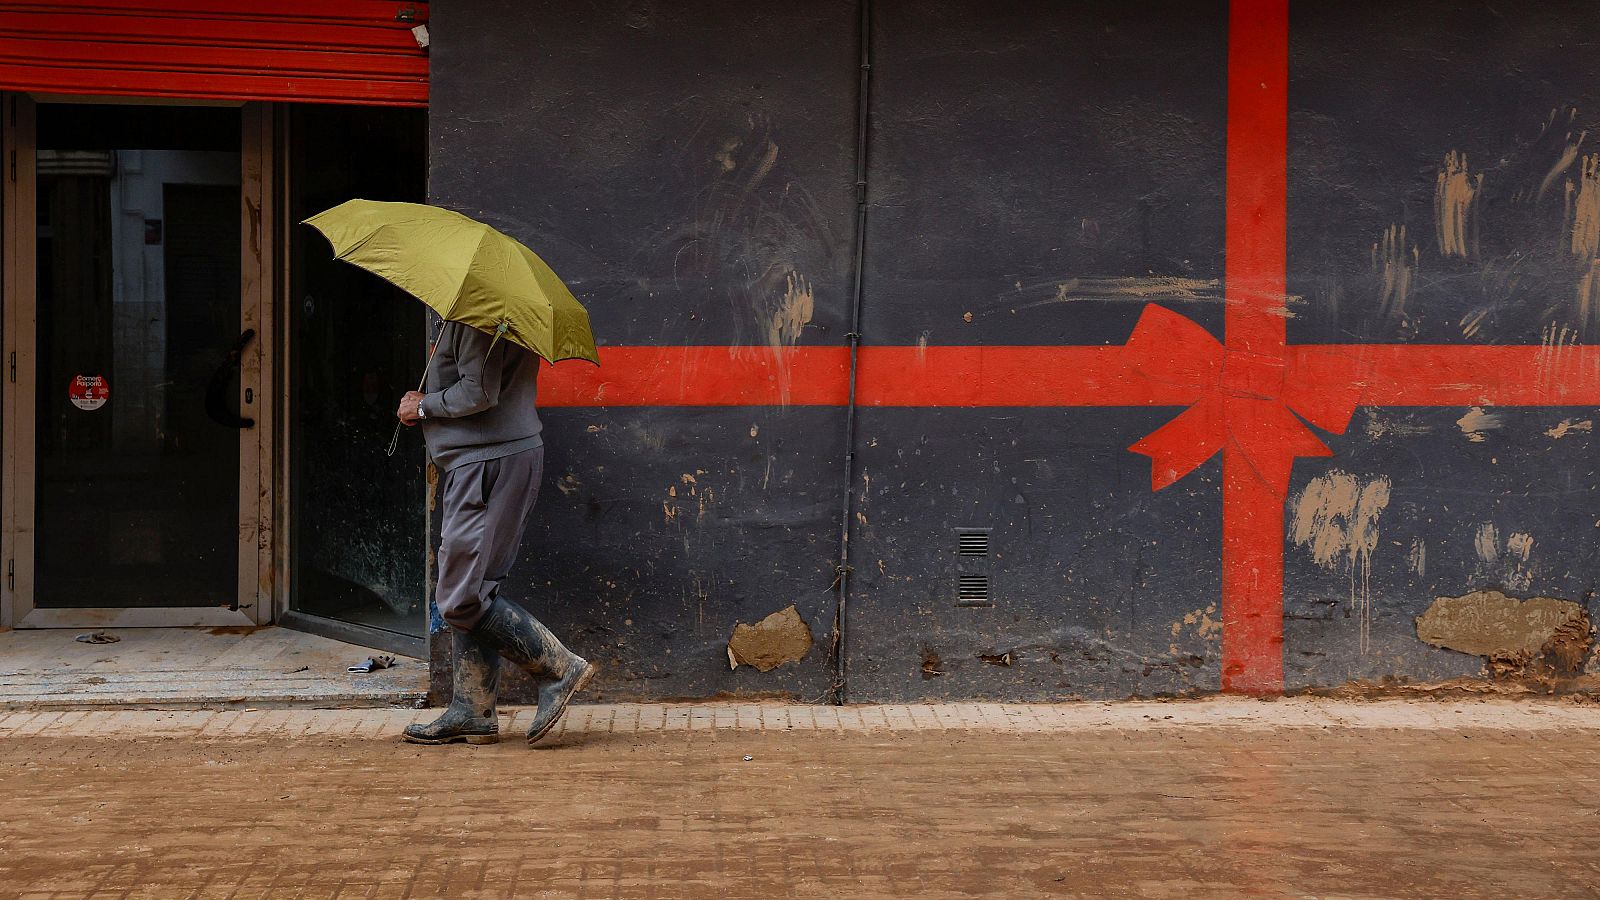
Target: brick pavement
[[988, 717], [1216, 798]]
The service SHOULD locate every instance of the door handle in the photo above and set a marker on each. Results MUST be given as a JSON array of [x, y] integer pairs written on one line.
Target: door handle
[[217, 391]]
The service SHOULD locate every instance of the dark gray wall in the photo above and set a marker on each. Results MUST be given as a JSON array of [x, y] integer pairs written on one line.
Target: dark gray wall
[[678, 164], [1023, 158], [1379, 95], [1038, 173]]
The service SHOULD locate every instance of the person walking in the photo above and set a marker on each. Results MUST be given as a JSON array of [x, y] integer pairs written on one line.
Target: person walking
[[480, 420]]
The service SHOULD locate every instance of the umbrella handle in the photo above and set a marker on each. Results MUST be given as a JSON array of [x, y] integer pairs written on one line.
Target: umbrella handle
[[394, 439]]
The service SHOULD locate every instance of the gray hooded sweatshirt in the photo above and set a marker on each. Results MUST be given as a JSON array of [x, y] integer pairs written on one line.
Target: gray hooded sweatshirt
[[479, 404]]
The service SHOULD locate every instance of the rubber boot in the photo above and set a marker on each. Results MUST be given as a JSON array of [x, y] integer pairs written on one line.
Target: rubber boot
[[525, 641], [470, 717]]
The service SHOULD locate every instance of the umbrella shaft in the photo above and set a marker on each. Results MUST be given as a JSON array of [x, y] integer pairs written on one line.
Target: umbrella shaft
[[394, 439]]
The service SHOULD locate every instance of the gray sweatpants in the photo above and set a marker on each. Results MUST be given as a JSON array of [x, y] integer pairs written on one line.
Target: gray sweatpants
[[486, 505]]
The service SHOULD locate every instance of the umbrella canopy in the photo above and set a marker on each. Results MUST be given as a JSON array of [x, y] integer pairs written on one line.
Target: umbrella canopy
[[463, 269]]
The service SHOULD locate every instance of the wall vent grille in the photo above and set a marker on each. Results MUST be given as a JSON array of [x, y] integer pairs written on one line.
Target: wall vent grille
[[972, 590], [972, 543]]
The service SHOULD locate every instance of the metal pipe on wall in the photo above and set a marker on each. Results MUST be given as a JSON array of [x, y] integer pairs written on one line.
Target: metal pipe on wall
[[858, 264]]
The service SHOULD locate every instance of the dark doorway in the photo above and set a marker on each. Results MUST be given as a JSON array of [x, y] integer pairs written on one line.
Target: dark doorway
[[138, 302], [358, 533]]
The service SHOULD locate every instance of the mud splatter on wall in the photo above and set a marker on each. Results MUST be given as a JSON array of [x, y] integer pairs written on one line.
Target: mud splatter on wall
[[1336, 519], [1452, 205], [1019, 195], [1127, 288], [1570, 426], [1396, 263], [1418, 558], [1586, 209], [785, 318], [1508, 564], [689, 170], [1538, 637], [1486, 541], [1477, 422]]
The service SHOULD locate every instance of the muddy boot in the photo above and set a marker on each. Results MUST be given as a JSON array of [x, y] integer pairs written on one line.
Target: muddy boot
[[522, 639], [471, 717]]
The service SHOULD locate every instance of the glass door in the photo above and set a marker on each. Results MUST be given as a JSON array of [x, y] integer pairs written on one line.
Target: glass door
[[141, 376], [358, 519]]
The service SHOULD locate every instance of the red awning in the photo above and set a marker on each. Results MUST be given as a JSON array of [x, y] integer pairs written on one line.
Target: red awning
[[327, 51]]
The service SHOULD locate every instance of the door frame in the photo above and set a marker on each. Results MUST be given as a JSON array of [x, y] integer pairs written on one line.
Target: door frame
[[257, 453]]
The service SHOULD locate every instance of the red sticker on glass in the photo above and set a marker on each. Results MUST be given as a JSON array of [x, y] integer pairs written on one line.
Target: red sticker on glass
[[89, 391]]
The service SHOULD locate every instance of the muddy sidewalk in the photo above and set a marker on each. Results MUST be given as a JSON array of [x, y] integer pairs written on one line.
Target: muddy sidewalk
[[1224, 798]]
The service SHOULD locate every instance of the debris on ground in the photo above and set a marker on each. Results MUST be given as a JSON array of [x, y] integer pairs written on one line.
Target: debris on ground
[[373, 664], [96, 637]]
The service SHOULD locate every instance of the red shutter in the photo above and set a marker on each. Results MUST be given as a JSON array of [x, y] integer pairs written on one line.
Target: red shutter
[[331, 51]]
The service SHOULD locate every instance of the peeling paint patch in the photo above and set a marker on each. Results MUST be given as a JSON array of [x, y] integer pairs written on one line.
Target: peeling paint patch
[[779, 638], [1569, 426], [1476, 422], [1538, 636]]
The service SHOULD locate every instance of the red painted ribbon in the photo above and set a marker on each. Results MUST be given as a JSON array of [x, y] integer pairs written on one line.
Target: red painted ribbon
[[1251, 401]]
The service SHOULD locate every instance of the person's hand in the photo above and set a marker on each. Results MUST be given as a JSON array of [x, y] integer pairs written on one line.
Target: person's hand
[[410, 406]]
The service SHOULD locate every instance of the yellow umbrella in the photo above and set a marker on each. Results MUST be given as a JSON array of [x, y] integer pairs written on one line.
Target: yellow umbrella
[[466, 271]]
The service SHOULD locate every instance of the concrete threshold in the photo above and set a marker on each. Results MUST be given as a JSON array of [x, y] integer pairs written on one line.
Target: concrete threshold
[[196, 668]]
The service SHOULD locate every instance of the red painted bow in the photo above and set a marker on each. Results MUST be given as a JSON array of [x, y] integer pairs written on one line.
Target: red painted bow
[[1250, 401]]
